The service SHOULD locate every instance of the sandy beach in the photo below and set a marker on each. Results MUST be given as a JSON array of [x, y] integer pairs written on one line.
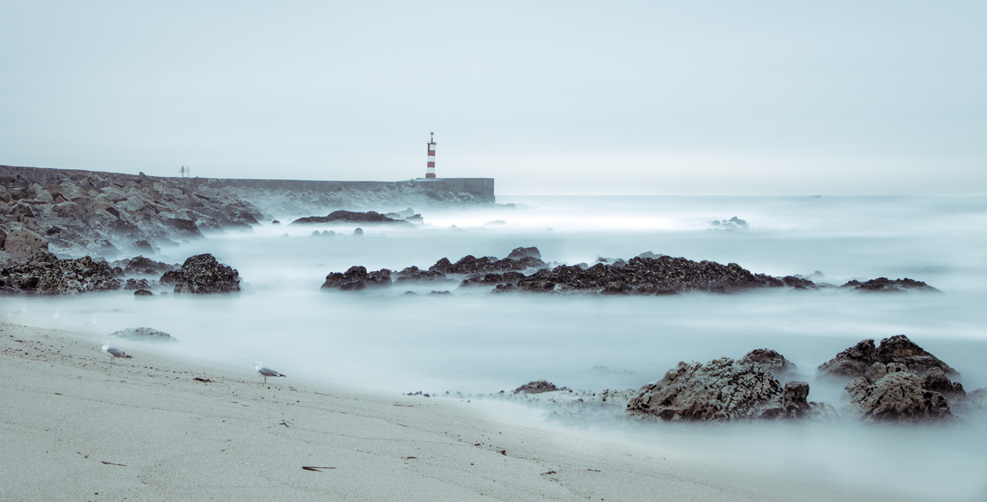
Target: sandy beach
[[78, 427]]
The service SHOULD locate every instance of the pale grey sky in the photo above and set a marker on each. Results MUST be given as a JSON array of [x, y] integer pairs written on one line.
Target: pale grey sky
[[560, 97]]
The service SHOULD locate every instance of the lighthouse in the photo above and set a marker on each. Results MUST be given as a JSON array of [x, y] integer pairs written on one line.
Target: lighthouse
[[430, 170]]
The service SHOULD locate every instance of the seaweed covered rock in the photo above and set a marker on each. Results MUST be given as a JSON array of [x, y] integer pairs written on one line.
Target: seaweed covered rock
[[650, 276], [770, 360], [898, 396], [357, 278], [202, 274], [45, 274], [723, 390], [857, 360]]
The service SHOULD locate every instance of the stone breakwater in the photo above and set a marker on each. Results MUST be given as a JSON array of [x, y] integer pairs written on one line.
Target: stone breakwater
[[75, 213]]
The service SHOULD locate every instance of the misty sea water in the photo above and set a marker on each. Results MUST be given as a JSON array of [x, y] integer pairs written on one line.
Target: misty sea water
[[473, 341]]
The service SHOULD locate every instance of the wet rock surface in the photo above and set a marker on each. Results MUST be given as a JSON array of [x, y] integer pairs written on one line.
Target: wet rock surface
[[885, 285], [357, 278], [342, 216], [770, 360], [203, 274], [45, 274], [723, 390], [139, 265], [898, 396], [857, 360]]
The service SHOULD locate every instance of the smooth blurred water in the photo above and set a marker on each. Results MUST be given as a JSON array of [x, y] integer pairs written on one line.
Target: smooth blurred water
[[473, 341]]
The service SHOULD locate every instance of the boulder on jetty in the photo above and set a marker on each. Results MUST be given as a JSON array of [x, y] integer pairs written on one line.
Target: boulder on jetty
[[885, 285], [22, 244], [857, 360], [724, 390], [349, 217], [45, 274], [202, 274], [357, 278], [650, 276]]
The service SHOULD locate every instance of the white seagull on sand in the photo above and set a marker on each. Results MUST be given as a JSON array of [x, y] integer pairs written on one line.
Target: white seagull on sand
[[113, 352], [266, 372]]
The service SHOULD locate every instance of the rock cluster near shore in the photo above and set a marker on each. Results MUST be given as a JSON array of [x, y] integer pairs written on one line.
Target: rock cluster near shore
[[342, 216]]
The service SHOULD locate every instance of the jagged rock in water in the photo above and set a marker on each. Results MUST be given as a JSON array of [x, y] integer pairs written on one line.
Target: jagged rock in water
[[723, 390], [144, 334], [857, 360], [45, 274], [202, 274], [349, 217], [415, 274], [22, 244], [523, 252], [770, 360], [357, 278], [492, 279], [885, 285], [134, 284], [472, 265], [143, 292], [898, 396], [899, 349], [536, 387], [936, 380], [142, 265], [650, 276], [852, 362]]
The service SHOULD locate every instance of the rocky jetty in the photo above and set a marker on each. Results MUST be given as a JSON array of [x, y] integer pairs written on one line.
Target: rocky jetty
[[650, 276], [350, 217], [885, 285], [857, 360], [80, 213], [724, 390], [45, 274], [202, 274]]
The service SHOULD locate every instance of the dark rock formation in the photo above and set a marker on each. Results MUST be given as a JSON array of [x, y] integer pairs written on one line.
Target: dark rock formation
[[885, 285], [857, 360], [146, 266], [45, 274], [134, 284], [492, 279], [536, 387], [724, 390], [937, 381], [144, 334], [523, 252], [650, 276], [202, 274], [349, 217], [472, 265], [770, 360], [357, 278], [143, 292], [415, 274], [897, 396]]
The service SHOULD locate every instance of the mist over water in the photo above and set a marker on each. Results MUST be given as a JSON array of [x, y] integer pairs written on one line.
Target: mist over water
[[475, 342]]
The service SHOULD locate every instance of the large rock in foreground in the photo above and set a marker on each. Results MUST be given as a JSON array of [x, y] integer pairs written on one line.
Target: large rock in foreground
[[202, 274], [856, 360], [45, 274], [898, 396], [723, 390]]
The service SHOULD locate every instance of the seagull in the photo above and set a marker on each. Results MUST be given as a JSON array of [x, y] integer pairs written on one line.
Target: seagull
[[113, 352], [266, 372]]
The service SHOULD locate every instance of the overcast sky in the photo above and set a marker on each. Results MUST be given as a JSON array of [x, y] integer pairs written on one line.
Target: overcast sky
[[547, 97]]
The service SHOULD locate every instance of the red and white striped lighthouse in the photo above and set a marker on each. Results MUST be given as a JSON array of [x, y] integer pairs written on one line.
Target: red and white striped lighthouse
[[430, 171]]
